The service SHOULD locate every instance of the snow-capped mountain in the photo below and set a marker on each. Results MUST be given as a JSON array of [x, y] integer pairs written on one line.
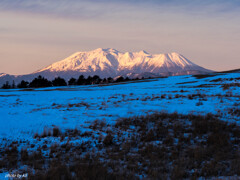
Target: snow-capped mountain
[[111, 63]]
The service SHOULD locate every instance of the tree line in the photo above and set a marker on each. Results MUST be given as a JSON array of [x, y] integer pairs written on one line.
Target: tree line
[[40, 81]]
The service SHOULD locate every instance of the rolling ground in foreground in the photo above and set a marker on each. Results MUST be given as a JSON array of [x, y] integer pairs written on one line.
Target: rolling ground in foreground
[[175, 127]]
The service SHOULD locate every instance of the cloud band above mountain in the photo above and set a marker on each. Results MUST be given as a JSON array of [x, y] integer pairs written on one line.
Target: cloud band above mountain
[[95, 8]]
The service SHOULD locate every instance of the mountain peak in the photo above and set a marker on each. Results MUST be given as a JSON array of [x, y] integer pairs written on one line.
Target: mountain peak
[[107, 62], [143, 52], [105, 50], [175, 54]]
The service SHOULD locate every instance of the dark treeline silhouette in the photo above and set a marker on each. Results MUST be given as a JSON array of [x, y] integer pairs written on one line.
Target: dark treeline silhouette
[[40, 82], [58, 81], [8, 86], [23, 84]]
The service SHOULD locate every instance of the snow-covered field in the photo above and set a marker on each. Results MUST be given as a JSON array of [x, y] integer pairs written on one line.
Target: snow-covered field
[[27, 111]]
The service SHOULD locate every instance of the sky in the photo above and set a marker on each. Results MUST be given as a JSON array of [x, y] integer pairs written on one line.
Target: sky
[[34, 34]]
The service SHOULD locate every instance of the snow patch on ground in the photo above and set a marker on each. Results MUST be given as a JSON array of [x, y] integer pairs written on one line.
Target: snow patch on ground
[[27, 111]]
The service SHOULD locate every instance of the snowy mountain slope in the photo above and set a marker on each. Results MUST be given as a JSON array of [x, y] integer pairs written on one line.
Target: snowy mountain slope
[[139, 76], [111, 63], [2, 74]]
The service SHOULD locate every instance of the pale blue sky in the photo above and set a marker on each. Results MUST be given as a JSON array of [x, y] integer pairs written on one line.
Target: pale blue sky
[[34, 34]]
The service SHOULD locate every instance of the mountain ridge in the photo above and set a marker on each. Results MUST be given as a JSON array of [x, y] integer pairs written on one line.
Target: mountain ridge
[[110, 62], [113, 60]]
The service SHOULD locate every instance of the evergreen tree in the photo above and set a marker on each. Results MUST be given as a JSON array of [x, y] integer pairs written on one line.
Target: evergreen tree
[[6, 85], [23, 84], [120, 79], [72, 81], [89, 80], [96, 79], [81, 80], [127, 79], [59, 82], [104, 80], [40, 82], [13, 85], [110, 80]]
